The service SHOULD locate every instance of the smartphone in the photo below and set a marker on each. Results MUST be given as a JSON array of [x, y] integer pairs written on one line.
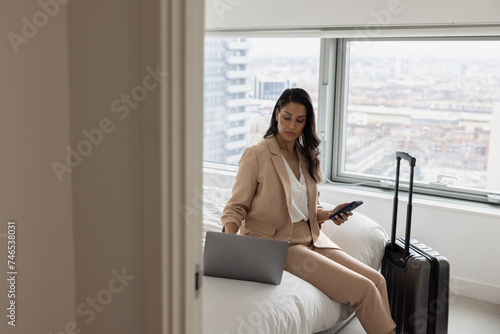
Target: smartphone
[[349, 207]]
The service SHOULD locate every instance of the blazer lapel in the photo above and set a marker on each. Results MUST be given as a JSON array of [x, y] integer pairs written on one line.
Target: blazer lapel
[[279, 165], [311, 188]]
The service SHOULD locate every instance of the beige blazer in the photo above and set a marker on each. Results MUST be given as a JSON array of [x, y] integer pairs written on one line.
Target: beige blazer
[[261, 200]]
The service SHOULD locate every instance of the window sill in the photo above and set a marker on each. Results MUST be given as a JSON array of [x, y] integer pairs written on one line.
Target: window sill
[[429, 201], [217, 175]]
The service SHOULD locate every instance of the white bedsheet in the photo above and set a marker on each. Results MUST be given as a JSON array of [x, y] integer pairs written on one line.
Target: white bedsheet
[[294, 306]]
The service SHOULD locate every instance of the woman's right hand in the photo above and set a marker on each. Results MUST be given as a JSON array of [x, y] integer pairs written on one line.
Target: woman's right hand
[[342, 218], [230, 228]]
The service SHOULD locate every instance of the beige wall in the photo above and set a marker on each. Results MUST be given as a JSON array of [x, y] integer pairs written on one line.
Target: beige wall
[[34, 130], [104, 57], [79, 233]]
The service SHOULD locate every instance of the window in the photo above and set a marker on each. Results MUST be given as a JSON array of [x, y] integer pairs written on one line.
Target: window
[[438, 100], [243, 80]]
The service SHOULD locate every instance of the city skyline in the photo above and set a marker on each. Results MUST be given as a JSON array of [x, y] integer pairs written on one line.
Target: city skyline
[[440, 108]]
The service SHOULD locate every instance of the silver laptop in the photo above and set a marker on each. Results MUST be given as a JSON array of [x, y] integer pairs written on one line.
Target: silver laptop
[[244, 258]]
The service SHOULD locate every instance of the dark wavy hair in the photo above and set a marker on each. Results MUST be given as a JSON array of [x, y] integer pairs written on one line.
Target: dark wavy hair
[[308, 142]]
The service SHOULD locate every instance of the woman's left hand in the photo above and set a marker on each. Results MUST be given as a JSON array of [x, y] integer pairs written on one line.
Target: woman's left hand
[[341, 218]]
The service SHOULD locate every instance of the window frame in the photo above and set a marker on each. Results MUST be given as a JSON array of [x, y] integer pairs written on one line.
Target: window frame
[[331, 127]]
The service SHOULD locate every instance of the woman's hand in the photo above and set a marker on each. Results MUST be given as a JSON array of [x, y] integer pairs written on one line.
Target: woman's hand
[[341, 218], [230, 228]]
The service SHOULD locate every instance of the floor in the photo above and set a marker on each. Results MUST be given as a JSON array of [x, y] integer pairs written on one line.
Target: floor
[[467, 316]]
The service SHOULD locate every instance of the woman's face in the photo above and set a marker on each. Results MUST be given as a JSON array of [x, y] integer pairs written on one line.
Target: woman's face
[[291, 121]]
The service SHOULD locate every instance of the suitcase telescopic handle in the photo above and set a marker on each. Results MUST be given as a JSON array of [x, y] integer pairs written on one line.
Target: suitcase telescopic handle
[[412, 162], [403, 155]]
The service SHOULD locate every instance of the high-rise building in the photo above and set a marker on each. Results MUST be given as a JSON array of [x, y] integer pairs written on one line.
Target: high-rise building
[[226, 129], [271, 88]]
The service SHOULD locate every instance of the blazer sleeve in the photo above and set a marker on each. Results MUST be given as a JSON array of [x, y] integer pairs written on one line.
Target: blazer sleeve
[[319, 208], [318, 205], [245, 185]]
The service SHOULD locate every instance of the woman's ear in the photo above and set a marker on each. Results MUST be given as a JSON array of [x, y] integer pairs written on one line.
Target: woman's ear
[[277, 114]]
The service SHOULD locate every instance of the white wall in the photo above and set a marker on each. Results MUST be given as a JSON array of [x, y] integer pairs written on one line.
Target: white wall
[[465, 233], [238, 14], [34, 129]]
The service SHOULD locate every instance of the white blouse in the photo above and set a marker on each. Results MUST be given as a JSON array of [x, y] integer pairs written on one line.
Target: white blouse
[[299, 194]]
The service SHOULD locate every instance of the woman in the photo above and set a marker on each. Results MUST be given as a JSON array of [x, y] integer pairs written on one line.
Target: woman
[[275, 196]]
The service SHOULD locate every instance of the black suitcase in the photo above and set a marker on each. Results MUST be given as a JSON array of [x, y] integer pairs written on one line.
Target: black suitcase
[[417, 277]]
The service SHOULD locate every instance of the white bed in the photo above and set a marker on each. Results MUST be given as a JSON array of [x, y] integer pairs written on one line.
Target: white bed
[[294, 306]]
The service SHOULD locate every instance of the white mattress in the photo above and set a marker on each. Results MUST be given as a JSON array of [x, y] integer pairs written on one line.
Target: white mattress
[[294, 306]]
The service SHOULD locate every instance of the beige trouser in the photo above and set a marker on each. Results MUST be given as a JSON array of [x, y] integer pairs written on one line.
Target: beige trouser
[[342, 278]]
